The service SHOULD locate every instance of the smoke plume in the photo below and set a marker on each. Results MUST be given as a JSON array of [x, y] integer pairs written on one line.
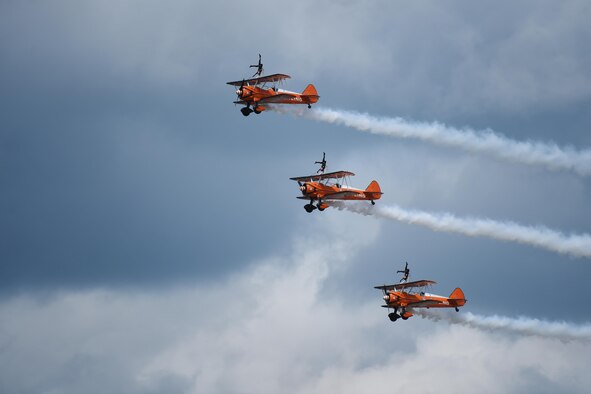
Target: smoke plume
[[578, 245], [484, 141], [521, 325]]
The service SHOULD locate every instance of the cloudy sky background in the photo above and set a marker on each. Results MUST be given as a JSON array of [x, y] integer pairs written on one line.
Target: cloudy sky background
[[150, 239]]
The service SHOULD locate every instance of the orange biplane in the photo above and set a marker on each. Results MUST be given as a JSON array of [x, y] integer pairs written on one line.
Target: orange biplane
[[259, 91], [332, 186], [407, 296]]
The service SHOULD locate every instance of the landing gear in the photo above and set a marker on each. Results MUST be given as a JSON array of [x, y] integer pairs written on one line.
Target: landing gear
[[309, 208], [320, 207], [246, 111], [257, 110], [394, 315], [309, 106], [457, 310], [373, 202]]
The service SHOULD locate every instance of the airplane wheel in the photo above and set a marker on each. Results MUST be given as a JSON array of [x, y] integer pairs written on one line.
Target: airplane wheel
[[256, 111], [404, 317], [309, 208], [246, 111], [393, 316], [320, 208], [457, 310], [373, 202], [309, 106]]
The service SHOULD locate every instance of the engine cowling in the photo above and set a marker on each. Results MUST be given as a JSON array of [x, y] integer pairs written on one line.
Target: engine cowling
[[390, 297]]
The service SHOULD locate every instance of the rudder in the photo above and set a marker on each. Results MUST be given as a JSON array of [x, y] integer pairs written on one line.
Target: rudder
[[310, 91], [373, 190], [310, 95], [458, 296]]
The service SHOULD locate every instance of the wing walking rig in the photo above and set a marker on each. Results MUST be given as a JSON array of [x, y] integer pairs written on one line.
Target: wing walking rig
[[259, 91], [322, 188], [406, 296]]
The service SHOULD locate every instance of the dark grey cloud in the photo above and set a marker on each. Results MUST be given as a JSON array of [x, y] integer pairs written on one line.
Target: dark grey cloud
[[123, 161]]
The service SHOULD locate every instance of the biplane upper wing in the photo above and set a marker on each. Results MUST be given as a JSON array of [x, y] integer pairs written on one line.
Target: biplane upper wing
[[400, 286], [260, 80], [319, 177]]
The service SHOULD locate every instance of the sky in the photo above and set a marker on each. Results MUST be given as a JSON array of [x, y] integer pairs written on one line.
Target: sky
[[151, 241]]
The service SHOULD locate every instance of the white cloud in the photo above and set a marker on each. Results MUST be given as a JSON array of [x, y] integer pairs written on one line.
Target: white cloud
[[269, 329]]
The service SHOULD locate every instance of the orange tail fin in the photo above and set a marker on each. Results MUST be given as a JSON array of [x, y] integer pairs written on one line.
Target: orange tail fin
[[310, 95], [373, 191], [310, 91], [458, 296]]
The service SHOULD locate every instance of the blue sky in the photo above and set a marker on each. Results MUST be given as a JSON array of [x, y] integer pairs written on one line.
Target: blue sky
[[151, 240]]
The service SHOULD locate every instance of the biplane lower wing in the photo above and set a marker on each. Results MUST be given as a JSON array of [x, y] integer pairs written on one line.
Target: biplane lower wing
[[278, 98], [424, 304], [420, 304], [342, 195]]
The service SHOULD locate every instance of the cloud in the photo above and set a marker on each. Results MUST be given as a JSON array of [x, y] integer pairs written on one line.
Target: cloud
[[267, 329]]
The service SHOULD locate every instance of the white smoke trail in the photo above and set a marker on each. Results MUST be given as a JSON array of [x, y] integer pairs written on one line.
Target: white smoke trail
[[575, 245], [485, 141], [521, 325]]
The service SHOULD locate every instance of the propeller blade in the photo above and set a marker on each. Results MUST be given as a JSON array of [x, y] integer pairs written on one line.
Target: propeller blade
[[241, 90]]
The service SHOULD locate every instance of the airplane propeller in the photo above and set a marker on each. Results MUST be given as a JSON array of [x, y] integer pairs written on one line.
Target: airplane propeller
[[240, 91]]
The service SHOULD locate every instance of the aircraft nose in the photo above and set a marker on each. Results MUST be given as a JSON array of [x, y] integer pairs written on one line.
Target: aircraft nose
[[386, 298]]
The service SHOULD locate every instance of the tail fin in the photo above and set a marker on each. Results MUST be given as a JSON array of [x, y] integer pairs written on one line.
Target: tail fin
[[310, 95], [457, 297], [373, 191], [457, 294], [310, 91]]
